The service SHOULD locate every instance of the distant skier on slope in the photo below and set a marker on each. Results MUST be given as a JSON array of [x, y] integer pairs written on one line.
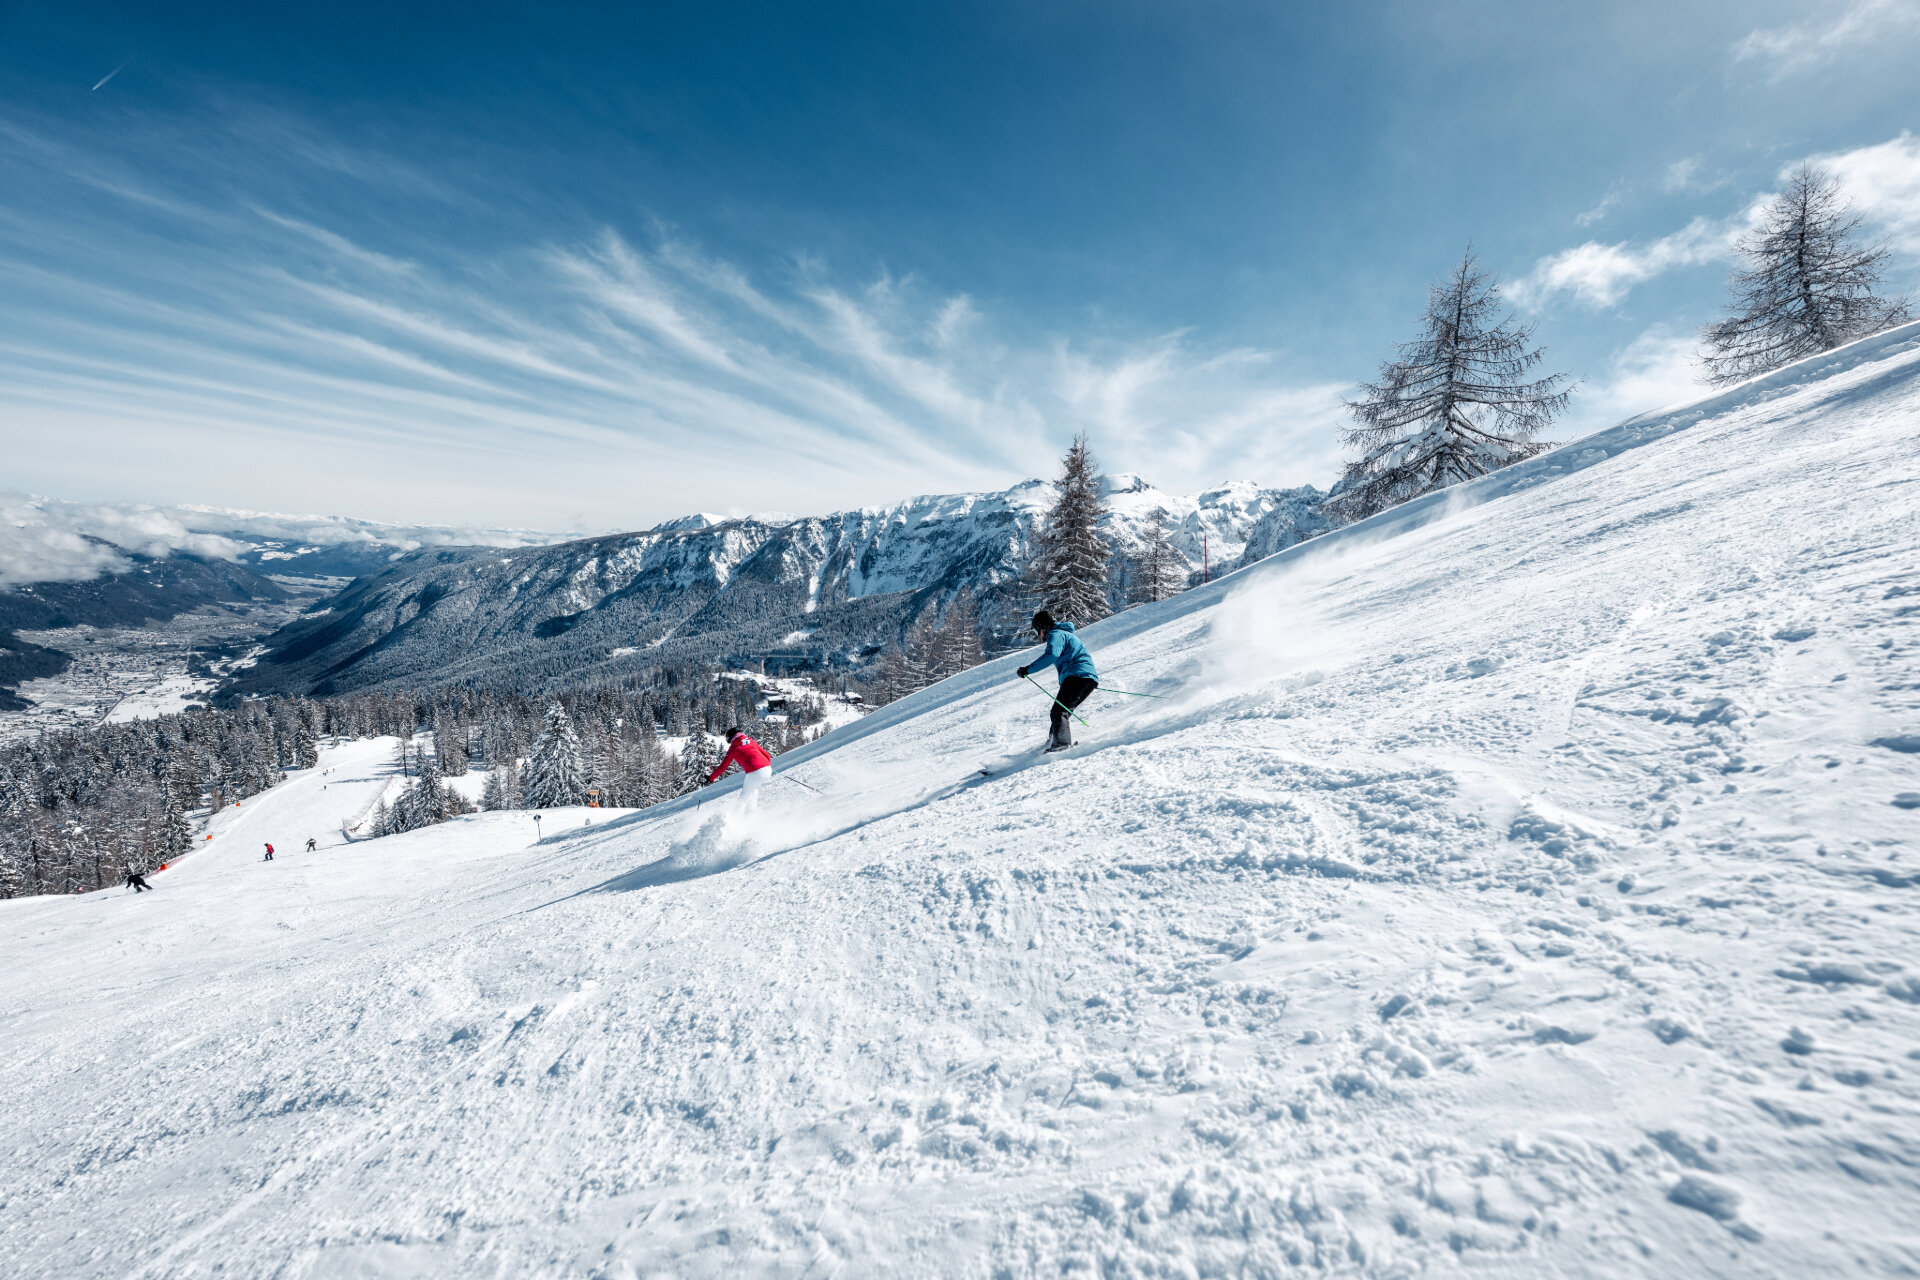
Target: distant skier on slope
[[137, 880], [312, 844], [269, 857], [756, 766], [1077, 676]]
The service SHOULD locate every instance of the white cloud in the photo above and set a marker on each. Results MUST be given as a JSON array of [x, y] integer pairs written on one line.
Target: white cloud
[[1690, 174], [48, 540], [1600, 275], [1598, 211], [1883, 181], [1806, 45], [44, 540], [1659, 368]]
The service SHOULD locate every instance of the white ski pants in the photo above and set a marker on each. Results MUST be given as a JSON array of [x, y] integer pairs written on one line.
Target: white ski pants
[[750, 784]]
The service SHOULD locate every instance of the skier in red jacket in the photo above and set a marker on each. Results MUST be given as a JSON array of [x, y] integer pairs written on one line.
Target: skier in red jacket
[[756, 766]]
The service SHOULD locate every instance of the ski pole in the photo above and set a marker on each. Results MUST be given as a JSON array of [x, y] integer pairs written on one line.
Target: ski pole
[[790, 778], [1123, 693], [1056, 702]]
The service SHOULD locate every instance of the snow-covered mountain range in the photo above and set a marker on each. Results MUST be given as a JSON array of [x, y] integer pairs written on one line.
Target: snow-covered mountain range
[[1518, 883], [802, 589]]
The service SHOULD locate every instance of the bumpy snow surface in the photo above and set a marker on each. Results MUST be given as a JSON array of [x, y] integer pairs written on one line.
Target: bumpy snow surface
[[1522, 884]]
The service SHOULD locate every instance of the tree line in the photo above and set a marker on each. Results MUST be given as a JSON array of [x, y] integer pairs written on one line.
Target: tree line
[[80, 808]]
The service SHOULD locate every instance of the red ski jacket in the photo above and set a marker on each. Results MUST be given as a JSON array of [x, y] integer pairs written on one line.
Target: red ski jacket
[[745, 752]]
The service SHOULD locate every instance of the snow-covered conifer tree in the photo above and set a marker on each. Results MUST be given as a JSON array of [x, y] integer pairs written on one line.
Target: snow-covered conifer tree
[[449, 743], [173, 836], [1457, 402], [1067, 573], [427, 802], [502, 789], [1159, 571], [657, 776], [697, 759], [1808, 285], [556, 773], [306, 752]]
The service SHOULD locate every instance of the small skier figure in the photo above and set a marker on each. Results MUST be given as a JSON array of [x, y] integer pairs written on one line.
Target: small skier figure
[[312, 844], [137, 880], [1077, 676], [756, 766], [269, 857]]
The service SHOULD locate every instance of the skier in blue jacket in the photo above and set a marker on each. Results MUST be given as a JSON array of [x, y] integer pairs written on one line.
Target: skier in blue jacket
[[1066, 654]]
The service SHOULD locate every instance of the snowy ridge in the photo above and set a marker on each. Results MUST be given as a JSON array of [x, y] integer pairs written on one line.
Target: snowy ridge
[[1518, 883], [737, 587]]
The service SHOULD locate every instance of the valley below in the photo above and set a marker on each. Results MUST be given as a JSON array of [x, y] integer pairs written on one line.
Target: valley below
[[136, 671]]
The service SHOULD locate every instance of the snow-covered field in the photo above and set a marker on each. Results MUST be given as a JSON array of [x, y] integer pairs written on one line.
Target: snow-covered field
[[1520, 885]]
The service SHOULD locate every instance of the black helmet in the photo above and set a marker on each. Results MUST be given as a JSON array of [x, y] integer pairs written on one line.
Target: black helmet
[[1043, 622], [734, 732]]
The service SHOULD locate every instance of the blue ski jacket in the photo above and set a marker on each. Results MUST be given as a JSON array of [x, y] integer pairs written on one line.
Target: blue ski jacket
[[1065, 651]]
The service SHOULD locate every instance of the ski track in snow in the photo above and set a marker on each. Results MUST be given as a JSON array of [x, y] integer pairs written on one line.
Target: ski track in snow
[[1521, 883]]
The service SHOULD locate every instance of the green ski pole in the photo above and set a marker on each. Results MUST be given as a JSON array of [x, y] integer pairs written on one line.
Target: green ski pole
[[1056, 702], [1123, 693]]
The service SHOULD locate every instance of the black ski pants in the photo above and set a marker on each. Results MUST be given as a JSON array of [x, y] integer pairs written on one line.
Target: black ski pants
[[1073, 692], [139, 882]]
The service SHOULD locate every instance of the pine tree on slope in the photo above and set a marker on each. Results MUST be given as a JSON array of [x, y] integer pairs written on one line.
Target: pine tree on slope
[[502, 789], [1068, 571], [1807, 288], [921, 648], [306, 752], [173, 835], [449, 744], [1160, 570], [556, 773], [956, 642], [697, 759], [1456, 404]]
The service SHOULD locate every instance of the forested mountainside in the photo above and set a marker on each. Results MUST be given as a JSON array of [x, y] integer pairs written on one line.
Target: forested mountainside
[[150, 589], [805, 592]]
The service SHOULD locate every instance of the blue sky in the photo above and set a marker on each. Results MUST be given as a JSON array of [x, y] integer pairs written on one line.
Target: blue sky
[[487, 264]]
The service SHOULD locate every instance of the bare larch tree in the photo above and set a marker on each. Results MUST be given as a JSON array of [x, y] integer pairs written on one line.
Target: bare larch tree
[[1068, 571], [1457, 403], [1808, 285]]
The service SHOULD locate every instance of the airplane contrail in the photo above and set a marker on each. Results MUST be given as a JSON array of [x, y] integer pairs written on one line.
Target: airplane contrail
[[111, 74]]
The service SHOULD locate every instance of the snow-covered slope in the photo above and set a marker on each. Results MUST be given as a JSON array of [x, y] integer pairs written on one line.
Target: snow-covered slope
[[1521, 883], [736, 589]]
